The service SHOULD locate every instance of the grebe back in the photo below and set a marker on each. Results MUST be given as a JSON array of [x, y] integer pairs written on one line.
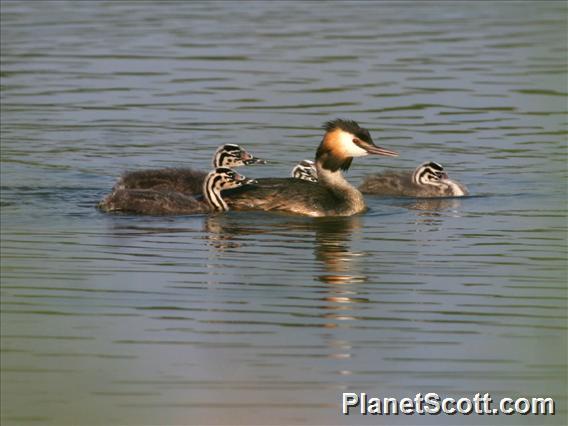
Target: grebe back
[[154, 202], [332, 195], [186, 180]]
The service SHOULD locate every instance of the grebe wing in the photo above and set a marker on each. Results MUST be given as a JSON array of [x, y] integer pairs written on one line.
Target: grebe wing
[[186, 181], [151, 202], [282, 194]]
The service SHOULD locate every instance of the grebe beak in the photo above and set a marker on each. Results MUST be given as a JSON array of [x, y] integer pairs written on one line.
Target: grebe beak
[[247, 181], [250, 159], [371, 148]]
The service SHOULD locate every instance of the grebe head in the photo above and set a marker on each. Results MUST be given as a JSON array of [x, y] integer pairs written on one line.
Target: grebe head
[[433, 175], [429, 173], [219, 179], [230, 155], [343, 140], [305, 170], [225, 178]]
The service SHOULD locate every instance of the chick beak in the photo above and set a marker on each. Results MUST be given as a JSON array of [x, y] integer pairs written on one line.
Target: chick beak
[[243, 180], [249, 159], [371, 148]]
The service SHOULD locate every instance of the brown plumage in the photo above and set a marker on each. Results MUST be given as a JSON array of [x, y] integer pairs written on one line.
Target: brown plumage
[[185, 180], [332, 195], [153, 202], [428, 180], [294, 196]]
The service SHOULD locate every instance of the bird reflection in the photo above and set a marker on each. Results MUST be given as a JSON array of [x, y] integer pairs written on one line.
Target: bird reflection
[[338, 265], [432, 211], [431, 207], [332, 248], [434, 206], [429, 211], [332, 237]]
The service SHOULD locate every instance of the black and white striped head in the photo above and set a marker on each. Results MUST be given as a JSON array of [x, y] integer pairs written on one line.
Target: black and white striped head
[[305, 170], [225, 178], [218, 180], [429, 173], [230, 155]]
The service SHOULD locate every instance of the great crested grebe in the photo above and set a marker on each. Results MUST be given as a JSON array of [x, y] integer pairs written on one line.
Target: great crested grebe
[[186, 181], [332, 195], [305, 170], [153, 202], [429, 180]]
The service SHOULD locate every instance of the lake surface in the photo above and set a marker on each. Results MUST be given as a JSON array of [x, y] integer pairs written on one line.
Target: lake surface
[[254, 318]]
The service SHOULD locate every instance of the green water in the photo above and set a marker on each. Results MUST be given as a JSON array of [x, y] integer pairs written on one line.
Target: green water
[[249, 318]]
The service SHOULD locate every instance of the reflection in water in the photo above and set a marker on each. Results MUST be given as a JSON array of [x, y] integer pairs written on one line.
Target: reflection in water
[[220, 235], [433, 206], [430, 211], [331, 239], [333, 250], [149, 320]]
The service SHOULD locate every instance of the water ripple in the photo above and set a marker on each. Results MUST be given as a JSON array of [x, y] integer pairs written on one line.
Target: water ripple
[[132, 319]]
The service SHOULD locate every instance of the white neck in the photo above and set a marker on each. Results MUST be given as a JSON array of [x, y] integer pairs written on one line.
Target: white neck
[[351, 196], [212, 192]]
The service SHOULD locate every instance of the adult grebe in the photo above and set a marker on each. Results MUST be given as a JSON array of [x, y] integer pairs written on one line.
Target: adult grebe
[[332, 195], [153, 202], [186, 181], [305, 170], [428, 180]]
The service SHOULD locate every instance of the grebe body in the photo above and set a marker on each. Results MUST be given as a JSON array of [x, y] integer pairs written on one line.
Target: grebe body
[[185, 180], [296, 196], [428, 180], [332, 195], [154, 202]]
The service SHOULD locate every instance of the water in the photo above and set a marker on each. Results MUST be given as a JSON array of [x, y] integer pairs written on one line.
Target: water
[[248, 318]]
